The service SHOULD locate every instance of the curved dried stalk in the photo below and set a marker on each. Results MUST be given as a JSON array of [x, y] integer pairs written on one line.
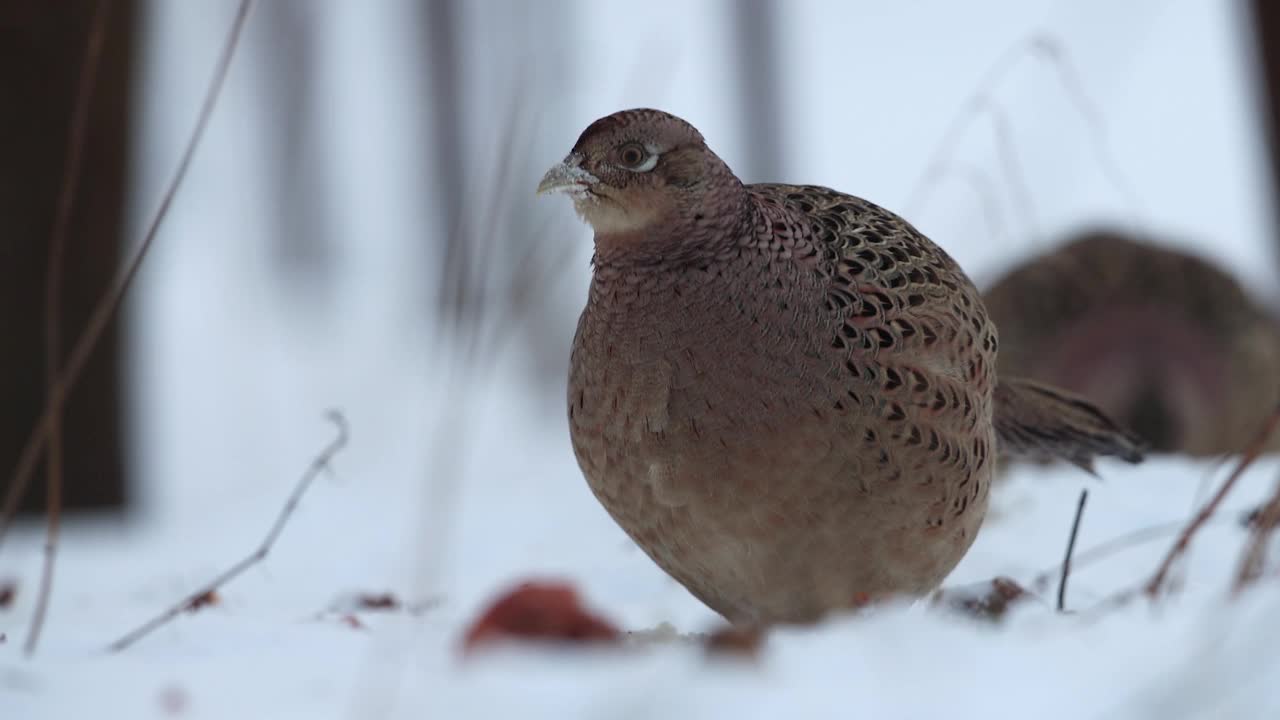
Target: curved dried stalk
[[53, 314]]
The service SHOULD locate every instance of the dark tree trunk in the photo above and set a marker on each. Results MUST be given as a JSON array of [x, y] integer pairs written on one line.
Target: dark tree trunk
[[42, 45], [1266, 18]]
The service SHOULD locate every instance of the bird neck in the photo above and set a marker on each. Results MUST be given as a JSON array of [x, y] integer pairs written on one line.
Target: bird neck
[[684, 295], [702, 226]]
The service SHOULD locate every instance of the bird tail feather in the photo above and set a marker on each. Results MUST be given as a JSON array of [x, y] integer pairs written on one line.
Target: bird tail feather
[[1040, 422]]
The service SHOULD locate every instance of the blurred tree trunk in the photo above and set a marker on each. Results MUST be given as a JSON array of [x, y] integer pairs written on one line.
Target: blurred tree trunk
[[441, 56], [42, 45], [285, 70], [1266, 17], [755, 25]]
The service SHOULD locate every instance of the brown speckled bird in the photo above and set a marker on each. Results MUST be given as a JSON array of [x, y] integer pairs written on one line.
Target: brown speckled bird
[[1164, 341], [784, 394]]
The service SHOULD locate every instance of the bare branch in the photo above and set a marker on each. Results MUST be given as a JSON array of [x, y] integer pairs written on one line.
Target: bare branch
[[1049, 49], [973, 106], [1110, 547], [107, 306], [209, 589], [1184, 540], [1052, 51], [1011, 165]]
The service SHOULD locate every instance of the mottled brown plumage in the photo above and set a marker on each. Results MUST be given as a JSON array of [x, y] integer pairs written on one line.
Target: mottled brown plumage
[[1164, 341], [783, 394]]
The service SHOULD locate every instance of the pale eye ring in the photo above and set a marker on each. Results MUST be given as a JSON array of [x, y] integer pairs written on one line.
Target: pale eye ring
[[636, 157]]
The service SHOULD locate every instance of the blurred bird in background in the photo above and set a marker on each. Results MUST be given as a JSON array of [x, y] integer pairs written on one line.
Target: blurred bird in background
[[1165, 341]]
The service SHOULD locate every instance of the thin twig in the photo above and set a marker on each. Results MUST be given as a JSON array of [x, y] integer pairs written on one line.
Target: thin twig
[[985, 192], [106, 308], [1051, 50], [1109, 603], [1114, 545], [972, 107], [1252, 560], [1184, 540], [1011, 165], [53, 313], [319, 464], [1264, 522], [1110, 547], [479, 335], [1071, 547], [487, 249]]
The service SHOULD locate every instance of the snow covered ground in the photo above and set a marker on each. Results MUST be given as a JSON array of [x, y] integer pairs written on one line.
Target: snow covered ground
[[459, 481], [274, 647]]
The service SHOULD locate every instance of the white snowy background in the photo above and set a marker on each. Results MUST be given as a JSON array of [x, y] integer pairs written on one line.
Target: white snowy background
[[459, 479]]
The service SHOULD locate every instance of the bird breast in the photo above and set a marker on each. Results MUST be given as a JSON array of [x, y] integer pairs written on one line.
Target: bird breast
[[670, 369]]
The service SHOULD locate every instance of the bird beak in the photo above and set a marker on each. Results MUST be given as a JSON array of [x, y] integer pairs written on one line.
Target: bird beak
[[567, 176]]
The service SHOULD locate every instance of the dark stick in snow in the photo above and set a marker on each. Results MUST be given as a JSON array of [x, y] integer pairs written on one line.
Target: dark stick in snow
[[1071, 546]]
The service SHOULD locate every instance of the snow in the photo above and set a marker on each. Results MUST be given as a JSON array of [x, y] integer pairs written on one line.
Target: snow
[[273, 648], [459, 480]]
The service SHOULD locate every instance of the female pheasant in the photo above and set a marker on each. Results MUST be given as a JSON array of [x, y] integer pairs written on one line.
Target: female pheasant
[[784, 394], [1167, 342]]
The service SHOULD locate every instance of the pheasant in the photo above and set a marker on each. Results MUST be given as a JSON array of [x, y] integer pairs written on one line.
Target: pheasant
[[1165, 341], [786, 395]]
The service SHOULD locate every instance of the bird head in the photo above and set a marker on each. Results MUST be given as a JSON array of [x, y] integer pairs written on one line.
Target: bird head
[[636, 173]]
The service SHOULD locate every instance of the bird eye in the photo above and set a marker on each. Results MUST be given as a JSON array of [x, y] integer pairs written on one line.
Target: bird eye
[[634, 156]]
